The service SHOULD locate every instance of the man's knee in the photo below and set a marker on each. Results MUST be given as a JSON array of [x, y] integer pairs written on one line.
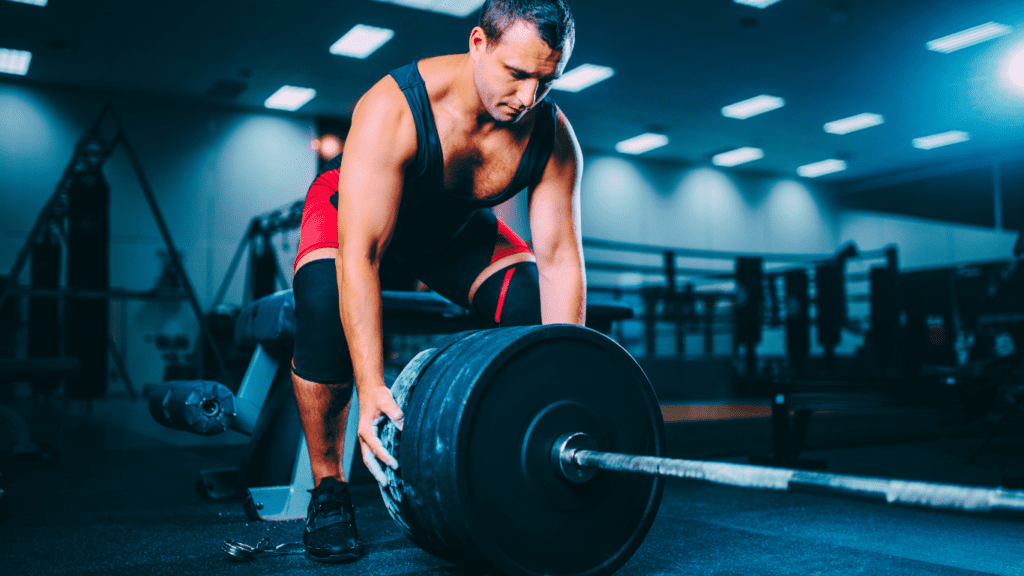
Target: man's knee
[[511, 296], [321, 352]]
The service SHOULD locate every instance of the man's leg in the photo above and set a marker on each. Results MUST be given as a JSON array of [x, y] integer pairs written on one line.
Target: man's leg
[[322, 380], [508, 290]]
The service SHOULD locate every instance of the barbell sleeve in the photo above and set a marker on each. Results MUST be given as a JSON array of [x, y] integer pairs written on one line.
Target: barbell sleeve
[[926, 494]]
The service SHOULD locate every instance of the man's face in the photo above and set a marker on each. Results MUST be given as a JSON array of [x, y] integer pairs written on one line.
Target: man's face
[[512, 76]]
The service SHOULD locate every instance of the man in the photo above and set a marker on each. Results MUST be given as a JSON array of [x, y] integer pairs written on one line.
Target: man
[[432, 147]]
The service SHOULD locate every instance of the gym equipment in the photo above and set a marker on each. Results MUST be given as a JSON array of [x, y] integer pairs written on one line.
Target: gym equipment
[[88, 268], [264, 406], [91, 153], [510, 438], [240, 552]]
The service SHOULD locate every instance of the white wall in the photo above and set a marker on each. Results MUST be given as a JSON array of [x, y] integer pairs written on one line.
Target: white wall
[[211, 170], [925, 243]]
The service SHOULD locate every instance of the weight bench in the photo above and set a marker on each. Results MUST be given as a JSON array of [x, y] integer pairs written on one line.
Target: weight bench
[[275, 474]]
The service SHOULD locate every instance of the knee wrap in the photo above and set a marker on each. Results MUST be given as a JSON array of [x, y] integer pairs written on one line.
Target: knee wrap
[[511, 296], [321, 352]]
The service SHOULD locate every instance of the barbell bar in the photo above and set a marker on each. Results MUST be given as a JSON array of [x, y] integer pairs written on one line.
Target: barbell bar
[[576, 462]]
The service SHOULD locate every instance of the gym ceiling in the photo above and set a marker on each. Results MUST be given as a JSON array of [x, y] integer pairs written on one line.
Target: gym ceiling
[[677, 63]]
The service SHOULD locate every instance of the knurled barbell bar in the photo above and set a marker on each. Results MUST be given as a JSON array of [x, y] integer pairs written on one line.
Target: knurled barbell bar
[[499, 455]]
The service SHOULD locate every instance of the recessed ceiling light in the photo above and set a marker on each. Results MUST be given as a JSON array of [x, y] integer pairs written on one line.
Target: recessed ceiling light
[[361, 41], [32, 2], [737, 156], [821, 168], [753, 106], [854, 123], [14, 61], [756, 3], [1015, 68], [459, 8], [290, 98], [944, 139], [968, 37], [582, 76], [642, 143]]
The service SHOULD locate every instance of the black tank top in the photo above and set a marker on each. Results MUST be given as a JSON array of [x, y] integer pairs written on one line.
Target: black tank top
[[430, 216]]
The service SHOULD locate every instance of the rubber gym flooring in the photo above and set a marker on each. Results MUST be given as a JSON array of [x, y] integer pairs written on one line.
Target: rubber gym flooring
[[120, 500]]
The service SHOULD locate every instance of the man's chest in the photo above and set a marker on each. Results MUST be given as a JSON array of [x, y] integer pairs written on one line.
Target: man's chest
[[481, 166]]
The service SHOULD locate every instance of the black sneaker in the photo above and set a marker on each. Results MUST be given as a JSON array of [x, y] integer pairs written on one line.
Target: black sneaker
[[330, 534]]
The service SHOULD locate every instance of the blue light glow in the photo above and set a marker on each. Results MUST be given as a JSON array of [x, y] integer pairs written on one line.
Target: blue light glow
[[1015, 68]]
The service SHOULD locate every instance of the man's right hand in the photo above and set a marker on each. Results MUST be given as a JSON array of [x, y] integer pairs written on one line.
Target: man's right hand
[[375, 405]]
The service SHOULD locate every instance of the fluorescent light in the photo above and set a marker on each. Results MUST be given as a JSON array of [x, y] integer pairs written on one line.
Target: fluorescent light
[[854, 123], [968, 37], [737, 156], [753, 107], [582, 76], [1015, 69], [290, 98], [642, 143], [756, 3], [361, 41], [14, 61], [32, 2], [821, 168], [458, 8], [944, 139]]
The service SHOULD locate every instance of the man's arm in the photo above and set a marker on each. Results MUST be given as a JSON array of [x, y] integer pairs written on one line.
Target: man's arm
[[380, 143], [555, 227]]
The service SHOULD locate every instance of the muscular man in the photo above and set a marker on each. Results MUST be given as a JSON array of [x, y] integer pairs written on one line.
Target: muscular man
[[433, 146]]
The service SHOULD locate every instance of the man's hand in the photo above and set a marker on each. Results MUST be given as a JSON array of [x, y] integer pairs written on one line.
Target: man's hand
[[374, 406]]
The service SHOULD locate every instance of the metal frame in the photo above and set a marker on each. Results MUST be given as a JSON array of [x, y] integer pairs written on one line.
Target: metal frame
[[91, 153]]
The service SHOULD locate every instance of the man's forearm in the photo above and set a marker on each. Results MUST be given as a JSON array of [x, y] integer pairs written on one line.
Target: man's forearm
[[360, 304], [563, 293]]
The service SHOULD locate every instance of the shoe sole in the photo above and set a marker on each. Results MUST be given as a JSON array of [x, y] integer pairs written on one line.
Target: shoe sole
[[334, 559]]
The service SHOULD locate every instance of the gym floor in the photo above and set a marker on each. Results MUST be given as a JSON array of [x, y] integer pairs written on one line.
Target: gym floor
[[120, 500]]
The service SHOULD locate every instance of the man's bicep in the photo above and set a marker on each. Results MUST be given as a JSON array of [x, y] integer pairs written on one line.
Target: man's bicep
[[555, 202]]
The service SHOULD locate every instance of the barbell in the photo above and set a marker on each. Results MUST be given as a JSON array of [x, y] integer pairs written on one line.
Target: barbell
[[539, 450]]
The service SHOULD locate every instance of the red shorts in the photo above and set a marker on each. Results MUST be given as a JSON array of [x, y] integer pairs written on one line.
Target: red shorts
[[320, 222]]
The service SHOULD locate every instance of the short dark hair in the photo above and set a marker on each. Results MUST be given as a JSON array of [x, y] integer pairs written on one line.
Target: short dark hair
[[552, 18]]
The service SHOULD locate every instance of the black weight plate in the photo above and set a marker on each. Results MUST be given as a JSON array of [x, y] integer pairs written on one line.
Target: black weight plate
[[400, 506], [521, 517]]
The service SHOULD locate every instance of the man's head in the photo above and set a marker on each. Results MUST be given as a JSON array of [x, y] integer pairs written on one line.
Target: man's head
[[519, 48]]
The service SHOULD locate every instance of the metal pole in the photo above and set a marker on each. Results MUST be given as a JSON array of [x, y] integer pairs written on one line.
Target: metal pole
[[997, 195], [230, 275], [927, 494], [172, 253]]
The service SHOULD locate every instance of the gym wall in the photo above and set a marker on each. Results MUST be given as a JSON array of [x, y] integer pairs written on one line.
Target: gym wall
[[211, 170]]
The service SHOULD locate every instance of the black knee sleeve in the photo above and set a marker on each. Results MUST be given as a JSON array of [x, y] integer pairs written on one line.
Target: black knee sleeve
[[511, 296], [321, 352]]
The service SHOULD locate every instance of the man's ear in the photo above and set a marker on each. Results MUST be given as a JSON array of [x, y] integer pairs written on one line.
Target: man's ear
[[477, 42]]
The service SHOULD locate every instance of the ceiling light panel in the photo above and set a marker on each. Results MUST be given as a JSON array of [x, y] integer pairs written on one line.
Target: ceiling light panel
[[582, 76], [822, 168], [968, 37], [944, 139], [737, 156], [1015, 68], [290, 98], [642, 143], [753, 107], [32, 2], [854, 123], [756, 3], [14, 61], [457, 8], [361, 41]]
